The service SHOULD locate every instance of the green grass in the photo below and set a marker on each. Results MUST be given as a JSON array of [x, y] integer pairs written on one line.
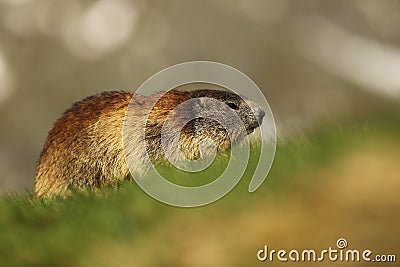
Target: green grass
[[65, 232]]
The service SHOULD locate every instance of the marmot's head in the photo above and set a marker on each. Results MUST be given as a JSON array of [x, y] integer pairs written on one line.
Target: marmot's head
[[204, 114], [249, 112]]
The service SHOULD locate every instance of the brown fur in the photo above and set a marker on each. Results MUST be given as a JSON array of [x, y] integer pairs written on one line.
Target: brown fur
[[84, 149]]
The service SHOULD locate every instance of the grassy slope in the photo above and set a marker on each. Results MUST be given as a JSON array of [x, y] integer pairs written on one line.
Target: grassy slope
[[321, 187]]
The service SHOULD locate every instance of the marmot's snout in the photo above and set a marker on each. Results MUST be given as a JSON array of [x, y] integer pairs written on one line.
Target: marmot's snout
[[257, 111], [259, 115], [255, 115]]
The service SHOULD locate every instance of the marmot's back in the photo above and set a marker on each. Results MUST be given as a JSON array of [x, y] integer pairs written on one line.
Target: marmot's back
[[84, 149]]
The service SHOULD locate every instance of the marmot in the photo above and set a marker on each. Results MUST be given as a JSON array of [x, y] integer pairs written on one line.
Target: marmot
[[84, 149]]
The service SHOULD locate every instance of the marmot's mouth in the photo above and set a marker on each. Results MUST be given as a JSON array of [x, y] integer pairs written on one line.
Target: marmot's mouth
[[251, 129]]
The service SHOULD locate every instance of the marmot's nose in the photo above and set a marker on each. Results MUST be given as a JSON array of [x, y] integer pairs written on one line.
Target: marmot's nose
[[262, 113], [259, 114]]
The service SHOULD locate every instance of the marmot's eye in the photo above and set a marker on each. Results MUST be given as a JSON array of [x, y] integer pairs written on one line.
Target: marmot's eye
[[232, 105]]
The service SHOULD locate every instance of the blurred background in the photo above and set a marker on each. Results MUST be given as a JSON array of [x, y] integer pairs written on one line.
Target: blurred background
[[314, 60], [321, 63]]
